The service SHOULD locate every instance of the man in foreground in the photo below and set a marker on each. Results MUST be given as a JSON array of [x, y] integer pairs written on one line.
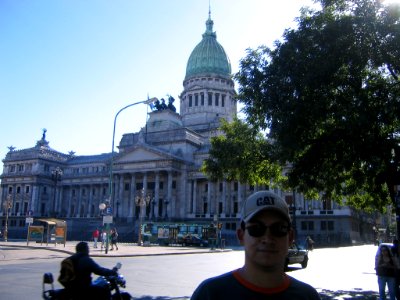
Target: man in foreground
[[266, 234]]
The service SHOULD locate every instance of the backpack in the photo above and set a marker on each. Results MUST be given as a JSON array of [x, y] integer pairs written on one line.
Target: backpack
[[67, 272]]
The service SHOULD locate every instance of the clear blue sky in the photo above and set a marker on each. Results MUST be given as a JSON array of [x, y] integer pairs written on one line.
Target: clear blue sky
[[70, 65]]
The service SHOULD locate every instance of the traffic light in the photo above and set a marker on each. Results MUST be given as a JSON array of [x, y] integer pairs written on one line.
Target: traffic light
[[219, 225]]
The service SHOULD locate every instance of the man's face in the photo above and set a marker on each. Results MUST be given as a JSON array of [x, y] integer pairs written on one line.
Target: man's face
[[267, 250]]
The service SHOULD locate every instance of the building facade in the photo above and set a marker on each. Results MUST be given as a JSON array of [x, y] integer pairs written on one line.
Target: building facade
[[159, 166]]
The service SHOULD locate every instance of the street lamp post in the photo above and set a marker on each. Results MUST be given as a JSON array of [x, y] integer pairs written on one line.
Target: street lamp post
[[153, 203], [141, 201], [102, 207], [216, 224], [148, 101], [110, 184], [106, 220], [56, 176], [7, 206]]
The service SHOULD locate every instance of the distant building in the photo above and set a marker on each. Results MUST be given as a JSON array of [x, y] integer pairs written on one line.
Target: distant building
[[161, 164]]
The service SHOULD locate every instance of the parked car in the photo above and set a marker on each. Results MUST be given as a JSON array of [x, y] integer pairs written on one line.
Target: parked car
[[193, 240], [296, 255]]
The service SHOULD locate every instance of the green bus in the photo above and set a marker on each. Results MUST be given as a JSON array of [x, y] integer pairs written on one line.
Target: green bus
[[176, 233]]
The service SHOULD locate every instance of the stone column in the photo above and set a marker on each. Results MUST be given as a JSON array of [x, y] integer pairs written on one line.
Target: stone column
[[189, 196], [156, 194], [53, 200], [194, 196], [56, 205], [60, 198], [132, 194], [90, 204], [223, 197], [209, 210], [169, 195], [182, 203], [34, 199], [212, 100], [79, 202], [120, 197], [69, 202]]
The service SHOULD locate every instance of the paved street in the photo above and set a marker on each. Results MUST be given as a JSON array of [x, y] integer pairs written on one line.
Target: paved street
[[154, 273], [347, 269], [124, 250]]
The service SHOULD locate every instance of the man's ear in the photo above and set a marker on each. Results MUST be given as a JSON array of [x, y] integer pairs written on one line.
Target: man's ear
[[240, 235]]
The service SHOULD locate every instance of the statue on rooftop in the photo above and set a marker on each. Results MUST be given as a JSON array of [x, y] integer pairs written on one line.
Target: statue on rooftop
[[44, 134], [163, 105], [171, 103], [159, 106]]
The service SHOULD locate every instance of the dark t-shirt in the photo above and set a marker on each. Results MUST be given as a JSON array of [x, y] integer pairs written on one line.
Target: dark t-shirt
[[85, 266], [231, 286]]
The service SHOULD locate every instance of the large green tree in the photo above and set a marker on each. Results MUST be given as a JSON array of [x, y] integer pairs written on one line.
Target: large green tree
[[242, 154], [328, 95]]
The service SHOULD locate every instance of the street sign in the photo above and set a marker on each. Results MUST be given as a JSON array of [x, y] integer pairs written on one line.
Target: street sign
[[107, 219], [29, 220], [29, 213], [109, 210]]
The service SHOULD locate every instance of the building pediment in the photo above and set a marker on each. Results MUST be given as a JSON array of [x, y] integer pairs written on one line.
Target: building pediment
[[140, 154]]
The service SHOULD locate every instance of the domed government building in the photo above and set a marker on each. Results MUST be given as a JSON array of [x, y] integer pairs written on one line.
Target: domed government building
[[154, 179]]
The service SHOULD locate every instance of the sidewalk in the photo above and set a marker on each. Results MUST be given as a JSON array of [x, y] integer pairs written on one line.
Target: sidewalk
[[124, 249]]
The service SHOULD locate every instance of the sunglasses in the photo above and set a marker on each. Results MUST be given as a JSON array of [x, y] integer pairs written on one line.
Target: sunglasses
[[275, 229]]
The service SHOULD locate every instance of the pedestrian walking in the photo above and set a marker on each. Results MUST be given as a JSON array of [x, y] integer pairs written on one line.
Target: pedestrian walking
[[103, 239], [309, 243], [386, 266], [114, 239], [266, 233], [396, 253], [95, 235]]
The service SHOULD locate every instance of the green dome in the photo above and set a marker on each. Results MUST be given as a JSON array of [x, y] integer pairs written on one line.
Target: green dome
[[208, 57]]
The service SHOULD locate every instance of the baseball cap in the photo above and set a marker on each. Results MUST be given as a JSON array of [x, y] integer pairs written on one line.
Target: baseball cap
[[264, 200]]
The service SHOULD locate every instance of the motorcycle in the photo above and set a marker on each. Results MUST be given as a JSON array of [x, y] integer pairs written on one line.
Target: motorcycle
[[111, 283]]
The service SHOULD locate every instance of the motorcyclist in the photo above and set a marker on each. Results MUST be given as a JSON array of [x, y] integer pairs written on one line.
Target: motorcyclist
[[82, 287]]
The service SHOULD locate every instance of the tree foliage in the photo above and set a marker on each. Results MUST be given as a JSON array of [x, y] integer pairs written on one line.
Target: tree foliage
[[329, 95], [242, 154]]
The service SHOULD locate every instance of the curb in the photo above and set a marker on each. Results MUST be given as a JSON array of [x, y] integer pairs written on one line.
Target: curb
[[154, 250]]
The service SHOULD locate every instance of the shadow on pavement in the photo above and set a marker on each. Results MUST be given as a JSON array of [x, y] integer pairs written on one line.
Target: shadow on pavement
[[366, 295]]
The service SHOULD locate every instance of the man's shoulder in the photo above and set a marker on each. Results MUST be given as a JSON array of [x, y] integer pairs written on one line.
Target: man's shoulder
[[304, 288], [80, 259], [218, 281], [79, 255], [211, 288], [74, 257]]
